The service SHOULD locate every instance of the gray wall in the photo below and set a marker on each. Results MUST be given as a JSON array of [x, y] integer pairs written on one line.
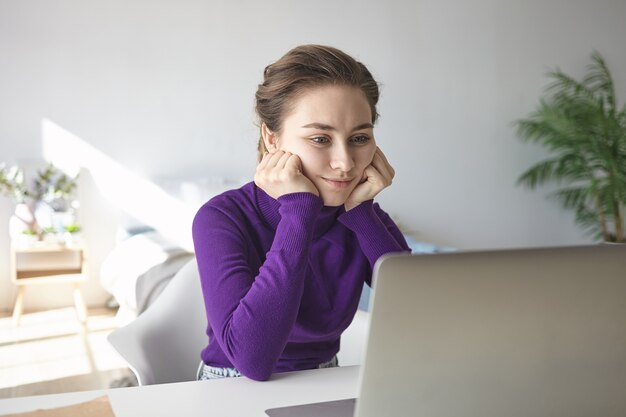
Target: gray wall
[[165, 89]]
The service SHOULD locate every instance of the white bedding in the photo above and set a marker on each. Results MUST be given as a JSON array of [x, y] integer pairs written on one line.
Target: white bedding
[[138, 269]]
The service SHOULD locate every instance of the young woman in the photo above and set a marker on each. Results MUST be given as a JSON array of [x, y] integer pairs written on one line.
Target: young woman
[[283, 259]]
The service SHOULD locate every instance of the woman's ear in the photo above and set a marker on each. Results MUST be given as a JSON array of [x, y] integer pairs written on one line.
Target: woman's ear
[[269, 138]]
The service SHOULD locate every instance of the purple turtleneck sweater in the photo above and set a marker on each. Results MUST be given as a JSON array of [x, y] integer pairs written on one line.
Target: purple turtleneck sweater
[[282, 277]]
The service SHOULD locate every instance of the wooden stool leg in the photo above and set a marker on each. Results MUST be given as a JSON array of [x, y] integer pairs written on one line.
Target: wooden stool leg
[[79, 302], [18, 309]]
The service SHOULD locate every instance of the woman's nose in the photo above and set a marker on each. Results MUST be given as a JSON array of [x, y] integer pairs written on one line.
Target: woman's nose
[[341, 158]]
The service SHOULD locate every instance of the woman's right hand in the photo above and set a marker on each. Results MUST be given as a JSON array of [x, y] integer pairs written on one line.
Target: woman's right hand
[[280, 173]]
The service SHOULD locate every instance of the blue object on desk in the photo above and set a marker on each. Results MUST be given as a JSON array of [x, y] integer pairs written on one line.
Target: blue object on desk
[[416, 247]]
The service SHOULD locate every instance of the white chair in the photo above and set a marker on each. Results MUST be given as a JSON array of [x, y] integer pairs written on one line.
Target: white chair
[[354, 339], [163, 344]]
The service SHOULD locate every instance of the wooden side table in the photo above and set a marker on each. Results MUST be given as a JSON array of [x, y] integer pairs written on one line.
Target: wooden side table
[[42, 263]]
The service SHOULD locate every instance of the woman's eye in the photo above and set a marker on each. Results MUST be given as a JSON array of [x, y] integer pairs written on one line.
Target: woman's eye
[[320, 139], [360, 139]]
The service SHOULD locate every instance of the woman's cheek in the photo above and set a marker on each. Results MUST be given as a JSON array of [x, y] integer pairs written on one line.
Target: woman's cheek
[[369, 157]]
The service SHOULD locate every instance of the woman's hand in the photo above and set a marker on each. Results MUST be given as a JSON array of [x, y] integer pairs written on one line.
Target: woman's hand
[[280, 173], [376, 177]]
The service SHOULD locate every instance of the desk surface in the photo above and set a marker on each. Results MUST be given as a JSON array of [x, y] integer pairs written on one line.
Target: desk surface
[[224, 397]]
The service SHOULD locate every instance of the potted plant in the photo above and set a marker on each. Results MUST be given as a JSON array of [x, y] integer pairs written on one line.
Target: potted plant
[[584, 129], [71, 231], [51, 187]]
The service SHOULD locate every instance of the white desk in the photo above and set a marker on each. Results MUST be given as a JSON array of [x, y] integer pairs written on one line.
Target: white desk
[[225, 397]]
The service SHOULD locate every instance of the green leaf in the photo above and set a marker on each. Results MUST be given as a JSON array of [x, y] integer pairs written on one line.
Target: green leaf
[[578, 122]]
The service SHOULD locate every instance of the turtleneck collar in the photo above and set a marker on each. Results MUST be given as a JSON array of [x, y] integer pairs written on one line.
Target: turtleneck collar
[[269, 210]]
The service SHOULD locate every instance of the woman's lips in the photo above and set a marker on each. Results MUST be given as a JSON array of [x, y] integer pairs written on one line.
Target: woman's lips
[[338, 183]]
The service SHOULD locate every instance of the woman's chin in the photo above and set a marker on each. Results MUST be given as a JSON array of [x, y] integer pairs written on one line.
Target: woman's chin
[[334, 200], [333, 196]]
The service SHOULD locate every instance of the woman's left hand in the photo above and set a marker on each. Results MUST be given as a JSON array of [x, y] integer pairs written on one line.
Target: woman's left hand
[[376, 177]]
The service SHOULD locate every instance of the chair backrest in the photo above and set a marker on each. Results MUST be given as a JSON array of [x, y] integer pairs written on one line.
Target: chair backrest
[[353, 340], [163, 344]]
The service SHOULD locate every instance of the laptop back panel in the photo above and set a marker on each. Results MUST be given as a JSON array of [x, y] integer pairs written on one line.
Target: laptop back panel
[[537, 332]]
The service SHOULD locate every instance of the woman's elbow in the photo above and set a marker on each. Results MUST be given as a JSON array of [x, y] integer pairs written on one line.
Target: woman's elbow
[[258, 376], [256, 371], [253, 364]]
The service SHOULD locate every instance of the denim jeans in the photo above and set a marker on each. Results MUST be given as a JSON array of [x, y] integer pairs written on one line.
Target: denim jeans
[[211, 372]]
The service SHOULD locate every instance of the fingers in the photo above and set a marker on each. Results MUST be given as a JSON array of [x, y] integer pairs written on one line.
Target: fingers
[[382, 155], [264, 161], [367, 189], [282, 161], [276, 159], [371, 174], [280, 173], [376, 177], [293, 163], [382, 159], [383, 167]]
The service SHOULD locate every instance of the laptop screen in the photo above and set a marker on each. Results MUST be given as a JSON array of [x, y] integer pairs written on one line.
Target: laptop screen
[[532, 332]]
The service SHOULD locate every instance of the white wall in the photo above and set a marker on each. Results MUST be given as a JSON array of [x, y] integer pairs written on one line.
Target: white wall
[[166, 89]]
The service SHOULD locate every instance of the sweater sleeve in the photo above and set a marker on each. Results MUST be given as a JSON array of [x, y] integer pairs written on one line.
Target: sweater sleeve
[[375, 231], [252, 313]]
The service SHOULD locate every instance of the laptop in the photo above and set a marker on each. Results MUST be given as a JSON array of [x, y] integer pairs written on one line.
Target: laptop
[[525, 332]]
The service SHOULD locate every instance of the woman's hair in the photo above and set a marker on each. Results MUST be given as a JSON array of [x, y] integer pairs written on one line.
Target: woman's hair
[[303, 68]]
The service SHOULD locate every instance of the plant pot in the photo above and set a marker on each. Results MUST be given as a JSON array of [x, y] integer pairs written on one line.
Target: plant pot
[[22, 224]]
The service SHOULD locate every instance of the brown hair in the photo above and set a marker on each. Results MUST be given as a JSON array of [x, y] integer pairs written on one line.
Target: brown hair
[[302, 68]]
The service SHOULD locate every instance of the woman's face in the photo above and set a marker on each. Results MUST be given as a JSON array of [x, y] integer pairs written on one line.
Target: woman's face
[[330, 129]]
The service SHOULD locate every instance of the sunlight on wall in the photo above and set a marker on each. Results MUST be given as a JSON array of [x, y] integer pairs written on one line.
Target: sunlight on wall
[[123, 188]]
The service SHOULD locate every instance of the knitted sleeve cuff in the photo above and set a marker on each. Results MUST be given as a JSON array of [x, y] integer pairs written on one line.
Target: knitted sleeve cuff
[[298, 212]]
